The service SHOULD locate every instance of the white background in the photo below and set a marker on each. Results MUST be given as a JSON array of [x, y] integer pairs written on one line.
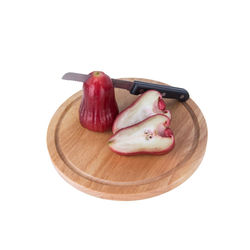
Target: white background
[[203, 46]]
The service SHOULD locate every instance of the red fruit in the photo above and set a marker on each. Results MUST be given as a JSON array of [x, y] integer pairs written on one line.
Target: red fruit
[[151, 136], [98, 108], [148, 104]]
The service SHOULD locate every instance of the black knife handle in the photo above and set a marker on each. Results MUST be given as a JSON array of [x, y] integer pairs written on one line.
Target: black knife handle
[[167, 91]]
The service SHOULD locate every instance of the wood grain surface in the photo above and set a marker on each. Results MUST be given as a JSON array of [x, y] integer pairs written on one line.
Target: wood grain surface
[[83, 158]]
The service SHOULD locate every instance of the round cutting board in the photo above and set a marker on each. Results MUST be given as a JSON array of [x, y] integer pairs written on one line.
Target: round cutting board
[[83, 158]]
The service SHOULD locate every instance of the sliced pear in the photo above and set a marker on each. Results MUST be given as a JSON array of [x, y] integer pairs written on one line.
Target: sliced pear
[[151, 136], [148, 104]]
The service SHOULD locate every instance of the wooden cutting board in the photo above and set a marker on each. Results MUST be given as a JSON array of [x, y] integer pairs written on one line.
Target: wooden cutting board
[[83, 158]]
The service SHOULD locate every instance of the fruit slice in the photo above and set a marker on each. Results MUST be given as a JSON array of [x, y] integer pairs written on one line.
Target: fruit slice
[[151, 136], [148, 104], [98, 107]]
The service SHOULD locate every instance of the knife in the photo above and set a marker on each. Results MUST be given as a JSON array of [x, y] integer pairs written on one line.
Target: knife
[[137, 87]]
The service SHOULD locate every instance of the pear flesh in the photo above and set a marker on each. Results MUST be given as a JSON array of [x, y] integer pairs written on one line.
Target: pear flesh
[[150, 136], [148, 104]]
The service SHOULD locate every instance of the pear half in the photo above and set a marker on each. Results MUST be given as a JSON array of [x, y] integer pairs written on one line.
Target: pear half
[[150, 136], [148, 104]]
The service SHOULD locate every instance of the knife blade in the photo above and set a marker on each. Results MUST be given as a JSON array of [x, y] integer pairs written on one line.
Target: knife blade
[[122, 84], [137, 87]]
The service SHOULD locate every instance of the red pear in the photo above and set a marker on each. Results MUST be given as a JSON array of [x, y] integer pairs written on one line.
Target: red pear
[[148, 104], [150, 136], [98, 107]]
